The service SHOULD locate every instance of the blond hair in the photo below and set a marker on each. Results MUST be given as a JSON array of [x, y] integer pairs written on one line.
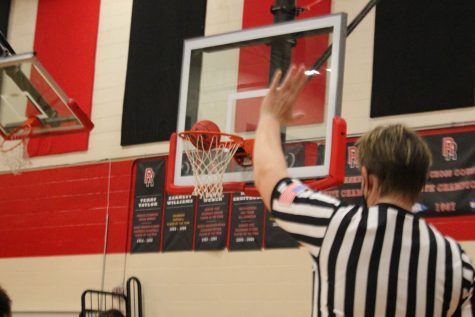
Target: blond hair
[[398, 157]]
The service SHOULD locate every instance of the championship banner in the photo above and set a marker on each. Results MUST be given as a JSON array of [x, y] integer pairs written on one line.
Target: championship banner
[[277, 237], [247, 223], [178, 223], [148, 199], [450, 188], [350, 191], [212, 223]]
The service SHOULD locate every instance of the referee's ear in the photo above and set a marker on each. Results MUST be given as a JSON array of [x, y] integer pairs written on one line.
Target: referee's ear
[[364, 181], [370, 187]]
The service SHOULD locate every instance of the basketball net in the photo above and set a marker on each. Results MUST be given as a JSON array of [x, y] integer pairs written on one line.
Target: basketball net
[[13, 151], [209, 160]]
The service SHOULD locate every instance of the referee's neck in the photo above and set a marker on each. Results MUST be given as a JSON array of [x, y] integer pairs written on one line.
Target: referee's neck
[[396, 200]]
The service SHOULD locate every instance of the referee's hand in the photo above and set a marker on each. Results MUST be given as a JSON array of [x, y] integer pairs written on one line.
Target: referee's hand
[[281, 98]]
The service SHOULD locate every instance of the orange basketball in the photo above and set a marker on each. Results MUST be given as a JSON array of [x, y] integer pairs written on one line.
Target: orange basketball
[[205, 126]]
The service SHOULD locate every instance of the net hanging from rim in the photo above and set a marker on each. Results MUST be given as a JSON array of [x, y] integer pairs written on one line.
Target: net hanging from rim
[[13, 148], [209, 154]]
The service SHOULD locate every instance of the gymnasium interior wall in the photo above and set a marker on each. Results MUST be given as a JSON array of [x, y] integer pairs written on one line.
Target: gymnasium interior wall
[[53, 237]]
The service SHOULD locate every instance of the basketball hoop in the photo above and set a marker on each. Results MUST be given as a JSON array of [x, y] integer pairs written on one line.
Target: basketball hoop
[[209, 154], [13, 147]]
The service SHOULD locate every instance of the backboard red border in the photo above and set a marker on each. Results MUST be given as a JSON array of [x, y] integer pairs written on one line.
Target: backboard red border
[[335, 177]]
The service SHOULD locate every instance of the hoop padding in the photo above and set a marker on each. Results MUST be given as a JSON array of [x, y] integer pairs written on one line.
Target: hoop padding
[[209, 154], [13, 148]]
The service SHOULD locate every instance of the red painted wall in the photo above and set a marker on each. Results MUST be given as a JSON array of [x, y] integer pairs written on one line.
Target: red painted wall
[[62, 211], [460, 228], [65, 43]]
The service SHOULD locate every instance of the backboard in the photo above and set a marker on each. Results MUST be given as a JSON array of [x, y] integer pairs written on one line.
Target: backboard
[[28, 91], [225, 77]]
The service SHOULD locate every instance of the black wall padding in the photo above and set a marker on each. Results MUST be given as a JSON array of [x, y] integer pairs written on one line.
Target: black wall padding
[[424, 56], [154, 66], [4, 15]]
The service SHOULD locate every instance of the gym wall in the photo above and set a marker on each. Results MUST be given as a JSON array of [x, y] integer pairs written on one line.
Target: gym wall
[[53, 217]]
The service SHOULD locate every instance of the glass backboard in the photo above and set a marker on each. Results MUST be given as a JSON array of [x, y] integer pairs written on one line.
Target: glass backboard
[[28, 91], [225, 77]]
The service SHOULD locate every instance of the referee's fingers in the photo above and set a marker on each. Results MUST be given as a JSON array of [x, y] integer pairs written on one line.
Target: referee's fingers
[[276, 80], [301, 79], [295, 81], [289, 78]]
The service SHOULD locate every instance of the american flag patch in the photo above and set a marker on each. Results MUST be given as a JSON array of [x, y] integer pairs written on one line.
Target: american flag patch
[[290, 192]]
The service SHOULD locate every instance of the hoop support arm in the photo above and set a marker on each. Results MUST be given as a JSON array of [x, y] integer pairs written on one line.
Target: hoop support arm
[[85, 120]]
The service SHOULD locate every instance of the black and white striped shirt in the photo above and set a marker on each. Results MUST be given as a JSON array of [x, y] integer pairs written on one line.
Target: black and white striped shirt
[[381, 261]]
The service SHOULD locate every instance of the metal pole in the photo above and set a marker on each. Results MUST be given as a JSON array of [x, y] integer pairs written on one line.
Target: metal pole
[[281, 47], [323, 58], [6, 49]]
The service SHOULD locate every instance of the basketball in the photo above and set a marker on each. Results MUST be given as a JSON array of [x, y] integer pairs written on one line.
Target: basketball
[[205, 126]]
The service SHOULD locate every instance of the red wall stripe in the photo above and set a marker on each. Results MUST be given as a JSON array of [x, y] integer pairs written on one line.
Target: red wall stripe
[[460, 228], [65, 43], [61, 211]]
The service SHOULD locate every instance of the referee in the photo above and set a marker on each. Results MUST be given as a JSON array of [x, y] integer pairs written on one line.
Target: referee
[[378, 259]]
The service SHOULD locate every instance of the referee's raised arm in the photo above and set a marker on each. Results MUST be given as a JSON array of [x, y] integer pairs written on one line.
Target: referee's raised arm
[[276, 110]]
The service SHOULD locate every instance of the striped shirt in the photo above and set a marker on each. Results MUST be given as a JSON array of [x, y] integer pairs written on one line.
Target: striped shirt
[[378, 261]]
